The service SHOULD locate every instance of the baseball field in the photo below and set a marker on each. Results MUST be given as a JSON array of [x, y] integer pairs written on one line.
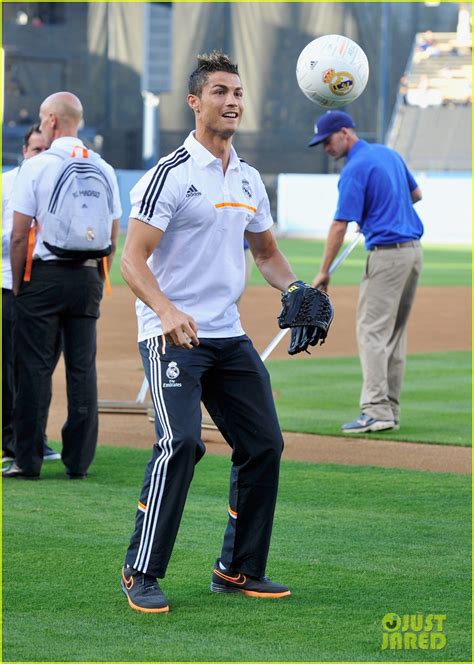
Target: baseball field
[[365, 527]]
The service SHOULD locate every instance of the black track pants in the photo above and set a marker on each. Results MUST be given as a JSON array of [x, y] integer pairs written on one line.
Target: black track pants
[[60, 299], [231, 380]]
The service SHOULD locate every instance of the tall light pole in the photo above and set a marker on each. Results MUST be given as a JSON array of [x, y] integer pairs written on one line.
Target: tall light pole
[[156, 77], [151, 129]]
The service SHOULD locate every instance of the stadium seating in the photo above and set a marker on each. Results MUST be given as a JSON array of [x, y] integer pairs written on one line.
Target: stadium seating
[[431, 127]]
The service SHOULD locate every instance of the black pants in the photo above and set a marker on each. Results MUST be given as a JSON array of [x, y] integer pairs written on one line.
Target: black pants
[[8, 379], [7, 372], [61, 298], [231, 380]]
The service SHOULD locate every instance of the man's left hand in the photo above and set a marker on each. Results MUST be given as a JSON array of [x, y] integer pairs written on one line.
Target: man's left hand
[[321, 281]]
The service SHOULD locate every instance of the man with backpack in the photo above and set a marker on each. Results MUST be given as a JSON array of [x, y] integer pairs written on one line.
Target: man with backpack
[[72, 196]]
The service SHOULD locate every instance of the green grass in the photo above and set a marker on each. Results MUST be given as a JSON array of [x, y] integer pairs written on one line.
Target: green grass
[[442, 266], [115, 276], [353, 543], [316, 395]]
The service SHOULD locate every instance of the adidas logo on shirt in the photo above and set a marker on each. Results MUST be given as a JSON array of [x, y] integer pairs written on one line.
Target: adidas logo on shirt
[[192, 191]]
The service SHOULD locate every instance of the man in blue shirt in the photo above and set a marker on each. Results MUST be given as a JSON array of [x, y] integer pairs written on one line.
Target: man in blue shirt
[[377, 191]]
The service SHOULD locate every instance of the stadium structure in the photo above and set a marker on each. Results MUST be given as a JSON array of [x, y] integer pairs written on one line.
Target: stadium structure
[[97, 49]]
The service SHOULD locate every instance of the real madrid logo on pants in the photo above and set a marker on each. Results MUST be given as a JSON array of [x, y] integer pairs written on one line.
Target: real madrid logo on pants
[[172, 371]]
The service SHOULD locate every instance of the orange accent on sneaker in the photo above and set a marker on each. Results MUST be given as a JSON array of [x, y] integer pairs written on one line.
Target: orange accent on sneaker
[[254, 593], [129, 585], [239, 580], [164, 609], [128, 582]]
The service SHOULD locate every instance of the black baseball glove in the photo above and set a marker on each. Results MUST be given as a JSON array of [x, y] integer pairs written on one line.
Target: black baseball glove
[[308, 312]]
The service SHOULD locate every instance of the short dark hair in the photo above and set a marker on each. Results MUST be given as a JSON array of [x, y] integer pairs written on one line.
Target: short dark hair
[[208, 63], [34, 129]]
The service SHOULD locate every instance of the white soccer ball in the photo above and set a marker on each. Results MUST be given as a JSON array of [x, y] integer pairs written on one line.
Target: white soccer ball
[[332, 71]]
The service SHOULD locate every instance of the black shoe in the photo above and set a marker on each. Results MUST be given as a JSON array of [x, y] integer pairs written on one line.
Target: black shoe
[[14, 471], [230, 582], [76, 476], [143, 592], [50, 455]]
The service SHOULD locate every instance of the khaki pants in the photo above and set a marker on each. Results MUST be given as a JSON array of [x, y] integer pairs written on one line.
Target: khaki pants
[[385, 299]]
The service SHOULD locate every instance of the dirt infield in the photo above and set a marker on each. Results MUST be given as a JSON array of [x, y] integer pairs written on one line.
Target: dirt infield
[[120, 375]]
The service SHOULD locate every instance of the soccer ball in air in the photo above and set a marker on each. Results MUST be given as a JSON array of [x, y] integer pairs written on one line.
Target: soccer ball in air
[[332, 71]]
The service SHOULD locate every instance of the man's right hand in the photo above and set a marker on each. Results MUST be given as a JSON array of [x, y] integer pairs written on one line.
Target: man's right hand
[[179, 328]]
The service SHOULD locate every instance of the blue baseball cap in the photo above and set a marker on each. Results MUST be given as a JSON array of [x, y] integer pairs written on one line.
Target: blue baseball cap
[[328, 124]]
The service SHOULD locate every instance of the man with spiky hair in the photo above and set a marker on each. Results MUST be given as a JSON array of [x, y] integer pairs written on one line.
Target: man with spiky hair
[[184, 260]]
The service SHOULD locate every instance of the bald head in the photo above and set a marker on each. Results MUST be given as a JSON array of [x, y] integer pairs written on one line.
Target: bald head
[[60, 115]]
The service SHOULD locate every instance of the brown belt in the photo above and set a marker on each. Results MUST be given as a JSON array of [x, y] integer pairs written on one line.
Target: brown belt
[[397, 245]]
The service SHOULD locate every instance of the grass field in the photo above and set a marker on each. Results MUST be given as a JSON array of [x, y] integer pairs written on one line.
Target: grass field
[[442, 266], [319, 394], [437, 388], [353, 543]]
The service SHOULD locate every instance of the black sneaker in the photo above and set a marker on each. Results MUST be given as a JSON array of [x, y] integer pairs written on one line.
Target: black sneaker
[[230, 582], [13, 471], [143, 592]]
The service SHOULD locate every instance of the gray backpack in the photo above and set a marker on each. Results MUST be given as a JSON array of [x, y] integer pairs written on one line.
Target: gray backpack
[[78, 223]]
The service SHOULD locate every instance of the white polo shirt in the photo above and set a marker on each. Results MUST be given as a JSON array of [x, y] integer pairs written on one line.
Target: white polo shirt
[[8, 180], [200, 263], [35, 182]]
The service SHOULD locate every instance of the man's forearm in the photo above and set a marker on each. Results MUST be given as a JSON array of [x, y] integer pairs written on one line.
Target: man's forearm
[[334, 242], [276, 270], [18, 250], [113, 241], [179, 327], [141, 281]]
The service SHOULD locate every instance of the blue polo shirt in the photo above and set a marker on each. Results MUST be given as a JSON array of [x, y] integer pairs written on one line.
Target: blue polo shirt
[[375, 191]]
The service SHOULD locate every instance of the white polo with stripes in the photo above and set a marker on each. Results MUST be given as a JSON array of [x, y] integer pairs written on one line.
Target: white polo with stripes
[[35, 183], [199, 263]]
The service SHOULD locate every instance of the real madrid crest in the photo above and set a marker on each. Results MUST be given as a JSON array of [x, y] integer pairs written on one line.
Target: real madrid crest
[[340, 82], [246, 188], [172, 371]]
